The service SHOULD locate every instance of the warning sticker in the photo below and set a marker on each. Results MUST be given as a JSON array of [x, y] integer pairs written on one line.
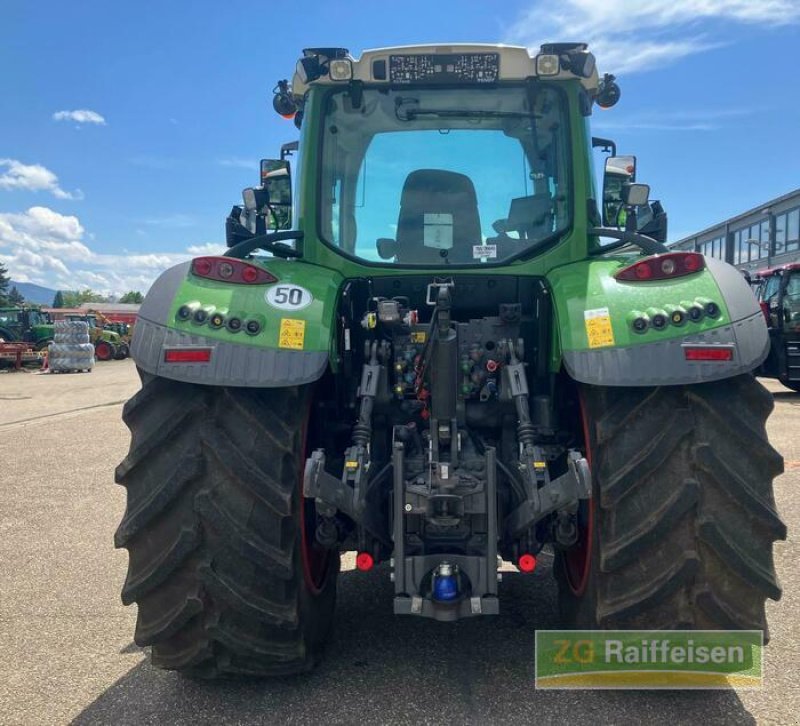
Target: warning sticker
[[484, 251], [292, 334], [418, 336], [598, 327]]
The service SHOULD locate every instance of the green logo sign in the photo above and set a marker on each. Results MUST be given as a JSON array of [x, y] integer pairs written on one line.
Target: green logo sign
[[648, 658]]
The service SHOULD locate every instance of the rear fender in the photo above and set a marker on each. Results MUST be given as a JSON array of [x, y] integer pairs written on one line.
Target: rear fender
[[292, 345], [599, 346]]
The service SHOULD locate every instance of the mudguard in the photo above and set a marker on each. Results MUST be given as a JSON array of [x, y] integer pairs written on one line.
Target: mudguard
[[599, 345], [295, 316]]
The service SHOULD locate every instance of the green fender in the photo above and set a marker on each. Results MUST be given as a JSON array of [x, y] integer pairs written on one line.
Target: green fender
[[597, 344], [294, 317]]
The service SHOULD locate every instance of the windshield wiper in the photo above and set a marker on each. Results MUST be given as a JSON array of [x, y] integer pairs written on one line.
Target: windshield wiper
[[271, 242], [412, 113]]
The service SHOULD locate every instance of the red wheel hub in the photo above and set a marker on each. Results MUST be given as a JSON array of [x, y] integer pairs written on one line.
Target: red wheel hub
[[578, 560]]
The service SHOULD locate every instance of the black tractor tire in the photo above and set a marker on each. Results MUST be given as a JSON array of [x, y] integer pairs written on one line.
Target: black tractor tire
[[123, 351], [682, 518], [215, 529]]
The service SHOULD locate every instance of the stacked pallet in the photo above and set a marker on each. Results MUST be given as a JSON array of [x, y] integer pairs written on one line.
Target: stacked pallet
[[71, 350]]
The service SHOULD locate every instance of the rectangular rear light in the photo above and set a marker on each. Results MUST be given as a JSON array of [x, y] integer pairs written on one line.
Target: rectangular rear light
[[708, 353], [187, 355]]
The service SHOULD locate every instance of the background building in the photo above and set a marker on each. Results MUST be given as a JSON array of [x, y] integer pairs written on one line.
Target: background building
[[766, 236]]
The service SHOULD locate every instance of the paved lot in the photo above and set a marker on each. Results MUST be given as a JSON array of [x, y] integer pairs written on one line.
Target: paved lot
[[65, 639]]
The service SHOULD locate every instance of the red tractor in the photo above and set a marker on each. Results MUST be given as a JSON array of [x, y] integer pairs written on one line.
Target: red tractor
[[778, 291]]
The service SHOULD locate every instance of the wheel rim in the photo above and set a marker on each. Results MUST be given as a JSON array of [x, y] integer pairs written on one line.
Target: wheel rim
[[577, 561], [103, 351], [316, 560]]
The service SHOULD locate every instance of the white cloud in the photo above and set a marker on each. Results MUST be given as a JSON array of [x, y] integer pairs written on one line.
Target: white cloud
[[629, 36], [210, 248], [80, 116], [48, 248], [32, 178]]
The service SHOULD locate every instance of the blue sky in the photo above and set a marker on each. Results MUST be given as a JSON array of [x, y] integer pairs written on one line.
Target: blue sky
[[180, 92]]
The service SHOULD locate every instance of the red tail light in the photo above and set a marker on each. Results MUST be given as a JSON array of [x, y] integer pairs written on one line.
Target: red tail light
[[229, 269], [708, 353], [364, 561], [187, 355], [526, 563], [765, 309], [663, 267]]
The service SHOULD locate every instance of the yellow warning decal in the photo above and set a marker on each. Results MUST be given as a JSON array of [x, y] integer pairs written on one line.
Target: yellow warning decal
[[598, 327], [293, 334], [418, 336]]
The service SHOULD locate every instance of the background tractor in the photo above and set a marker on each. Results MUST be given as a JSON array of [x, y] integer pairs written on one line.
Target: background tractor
[[439, 357], [108, 344], [26, 325], [778, 291]]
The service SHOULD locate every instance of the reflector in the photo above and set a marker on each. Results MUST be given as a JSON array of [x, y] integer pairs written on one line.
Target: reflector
[[187, 355], [708, 353]]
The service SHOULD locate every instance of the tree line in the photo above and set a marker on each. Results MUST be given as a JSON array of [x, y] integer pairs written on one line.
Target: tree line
[[11, 297]]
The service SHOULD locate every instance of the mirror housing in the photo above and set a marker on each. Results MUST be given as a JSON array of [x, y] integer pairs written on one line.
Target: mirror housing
[[619, 170], [276, 183]]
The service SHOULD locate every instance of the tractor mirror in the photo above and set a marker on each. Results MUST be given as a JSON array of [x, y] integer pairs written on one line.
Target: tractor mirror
[[387, 248], [619, 170], [635, 195], [276, 181]]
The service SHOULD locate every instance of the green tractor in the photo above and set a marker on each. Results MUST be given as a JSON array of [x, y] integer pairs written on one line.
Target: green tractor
[[108, 344], [26, 325], [437, 358]]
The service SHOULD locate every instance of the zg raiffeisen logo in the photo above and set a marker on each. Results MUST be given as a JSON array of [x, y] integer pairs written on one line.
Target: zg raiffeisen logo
[[644, 659]]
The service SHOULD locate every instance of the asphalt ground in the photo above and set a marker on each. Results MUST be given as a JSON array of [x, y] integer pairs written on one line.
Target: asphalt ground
[[66, 650]]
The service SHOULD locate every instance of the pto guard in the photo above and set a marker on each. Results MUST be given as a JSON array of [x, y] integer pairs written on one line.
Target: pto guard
[[599, 346], [291, 349]]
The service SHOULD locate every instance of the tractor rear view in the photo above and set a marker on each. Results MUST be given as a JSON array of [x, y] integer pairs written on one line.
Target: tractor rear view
[[438, 357]]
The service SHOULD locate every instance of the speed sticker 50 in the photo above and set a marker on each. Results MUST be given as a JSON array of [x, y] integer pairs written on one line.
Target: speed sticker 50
[[288, 297]]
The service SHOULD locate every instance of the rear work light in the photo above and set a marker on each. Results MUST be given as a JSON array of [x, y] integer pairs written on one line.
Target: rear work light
[[708, 353], [187, 355], [663, 267], [229, 269]]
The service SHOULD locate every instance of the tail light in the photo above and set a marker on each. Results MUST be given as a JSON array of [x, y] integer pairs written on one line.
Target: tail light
[[765, 309], [364, 561], [526, 563], [663, 267], [229, 269], [187, 355], [708, 353]]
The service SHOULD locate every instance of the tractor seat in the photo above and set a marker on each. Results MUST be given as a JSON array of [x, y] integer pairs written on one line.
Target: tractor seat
[[438, 218]]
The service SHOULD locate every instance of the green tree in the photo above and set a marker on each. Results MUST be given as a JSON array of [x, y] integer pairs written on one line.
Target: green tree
[[58, 300], [74, 298], [15, 297], [134, 296], [4, 282]]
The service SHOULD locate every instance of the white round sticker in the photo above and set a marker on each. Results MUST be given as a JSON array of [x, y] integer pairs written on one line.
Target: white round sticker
[[288, 297]]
